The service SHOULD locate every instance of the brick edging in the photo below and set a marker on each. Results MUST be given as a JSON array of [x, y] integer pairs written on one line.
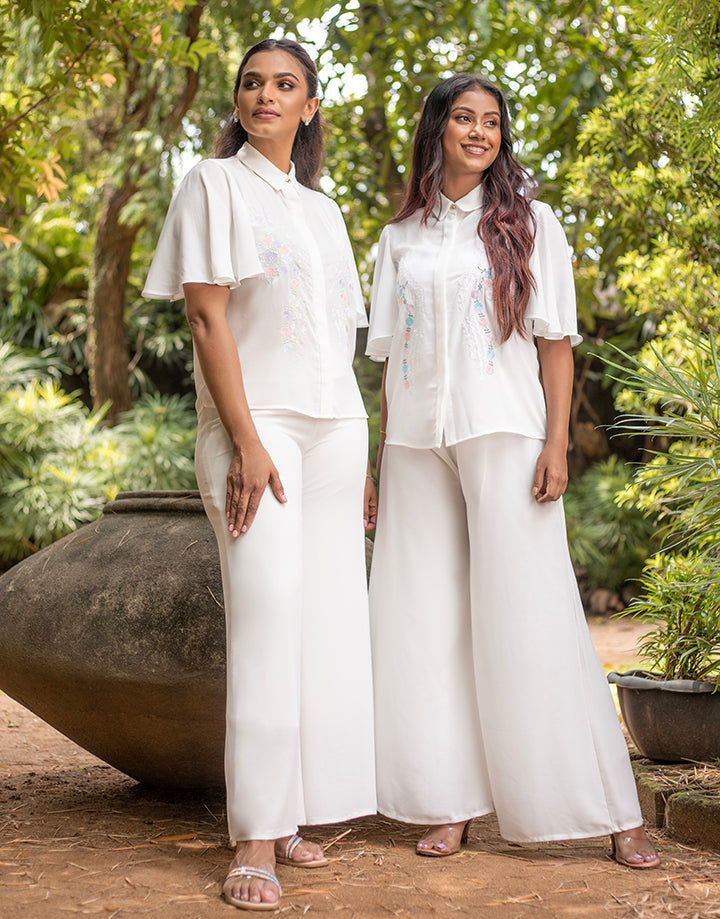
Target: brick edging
[[687, 817]]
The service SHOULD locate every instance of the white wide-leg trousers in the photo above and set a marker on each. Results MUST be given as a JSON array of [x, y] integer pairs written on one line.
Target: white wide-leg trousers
[[299, 734], [488, 692]]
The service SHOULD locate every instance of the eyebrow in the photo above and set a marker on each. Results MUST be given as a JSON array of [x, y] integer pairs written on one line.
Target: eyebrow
[[468, 108], [276, 76]]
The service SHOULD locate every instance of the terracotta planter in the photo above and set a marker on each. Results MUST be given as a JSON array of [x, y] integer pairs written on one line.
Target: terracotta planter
[[115, 635], [672, 720]]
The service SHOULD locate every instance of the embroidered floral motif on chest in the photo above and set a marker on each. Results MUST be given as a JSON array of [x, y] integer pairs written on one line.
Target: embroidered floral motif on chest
[[276, 259], [409, 310], [272, 254], [478, 294], [343, 312]]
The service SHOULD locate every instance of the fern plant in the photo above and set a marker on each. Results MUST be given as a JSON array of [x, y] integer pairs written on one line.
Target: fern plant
[[681, 484]]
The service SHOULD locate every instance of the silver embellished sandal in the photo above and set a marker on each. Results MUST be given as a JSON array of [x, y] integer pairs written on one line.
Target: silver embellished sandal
[[247, 871], [287, 857]]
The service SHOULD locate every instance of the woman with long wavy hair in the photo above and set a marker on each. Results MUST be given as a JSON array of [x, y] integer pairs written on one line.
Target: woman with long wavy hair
[[266, 269], [489, 695]]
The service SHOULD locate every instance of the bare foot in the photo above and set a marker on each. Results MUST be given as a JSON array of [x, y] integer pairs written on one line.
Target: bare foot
[[633, 848], [253, 853], [294, 850], [443, 840]]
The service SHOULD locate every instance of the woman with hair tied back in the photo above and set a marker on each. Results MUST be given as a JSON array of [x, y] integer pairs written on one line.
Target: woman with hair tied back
[[272, 296], [489, 695]]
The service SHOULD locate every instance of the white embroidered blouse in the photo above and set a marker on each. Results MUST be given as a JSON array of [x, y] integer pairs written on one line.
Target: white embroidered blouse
[[295, 299], [432, 316]]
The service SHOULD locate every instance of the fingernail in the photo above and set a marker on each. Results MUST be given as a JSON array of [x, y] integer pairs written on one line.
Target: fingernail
[[243, 528]]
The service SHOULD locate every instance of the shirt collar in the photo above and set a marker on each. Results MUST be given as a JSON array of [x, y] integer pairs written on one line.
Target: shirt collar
[[262, 167], [470, 202]]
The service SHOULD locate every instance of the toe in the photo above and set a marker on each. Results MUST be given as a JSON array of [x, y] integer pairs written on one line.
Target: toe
[[242, 891], [309, 852]]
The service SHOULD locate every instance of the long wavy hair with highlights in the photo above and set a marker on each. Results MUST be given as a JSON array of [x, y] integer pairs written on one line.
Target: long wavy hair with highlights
[[507, 224], [308, 151]]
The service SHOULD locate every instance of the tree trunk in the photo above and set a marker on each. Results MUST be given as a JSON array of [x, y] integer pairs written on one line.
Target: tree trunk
[[108, 348], [378, 137], [375, 125]]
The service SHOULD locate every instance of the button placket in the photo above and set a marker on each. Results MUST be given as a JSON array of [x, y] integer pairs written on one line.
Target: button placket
[[449, 232], [291, 195]]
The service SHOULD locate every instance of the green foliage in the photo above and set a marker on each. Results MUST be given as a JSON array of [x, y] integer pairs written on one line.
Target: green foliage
[[54, 474], [681, 597], [44, 283], [680, 417], [680, 412], [55, 57], [683, 38], [608, 541], [156, 439], [59, 464]]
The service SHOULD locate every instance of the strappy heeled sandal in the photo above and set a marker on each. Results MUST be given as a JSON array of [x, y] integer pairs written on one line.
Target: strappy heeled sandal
[[247, 871], [622, 860], [287, 857], [445, 851]]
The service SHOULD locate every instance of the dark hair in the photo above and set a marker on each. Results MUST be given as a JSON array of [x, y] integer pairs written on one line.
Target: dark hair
[[507, 224], [308, 152]]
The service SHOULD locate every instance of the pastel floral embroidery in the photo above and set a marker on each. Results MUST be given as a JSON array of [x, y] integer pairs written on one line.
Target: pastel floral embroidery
[[408, 309], [343, 288], [291, 315], [277, 259], [477, 329], [273, 255]]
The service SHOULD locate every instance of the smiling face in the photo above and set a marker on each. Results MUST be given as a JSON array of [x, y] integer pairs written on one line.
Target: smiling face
[[470, 142], [272, 100]]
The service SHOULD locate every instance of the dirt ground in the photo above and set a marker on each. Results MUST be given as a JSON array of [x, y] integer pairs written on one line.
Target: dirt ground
[[79, 838]]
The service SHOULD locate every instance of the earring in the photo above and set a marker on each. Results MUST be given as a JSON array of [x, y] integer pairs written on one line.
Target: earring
[[234, 119], [307, 123]]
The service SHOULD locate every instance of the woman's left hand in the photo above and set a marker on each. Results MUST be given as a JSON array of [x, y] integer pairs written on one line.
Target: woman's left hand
[[551, 474], [370, 504]]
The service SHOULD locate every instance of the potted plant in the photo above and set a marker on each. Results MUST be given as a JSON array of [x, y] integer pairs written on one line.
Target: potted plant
[[672, 709]]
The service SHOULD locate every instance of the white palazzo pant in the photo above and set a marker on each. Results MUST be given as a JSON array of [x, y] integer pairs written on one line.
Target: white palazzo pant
[[299, 735], [488, 692]]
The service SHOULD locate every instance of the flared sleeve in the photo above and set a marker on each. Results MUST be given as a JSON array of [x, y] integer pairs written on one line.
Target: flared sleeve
[[551, 308], [384, 304], [207, 236]]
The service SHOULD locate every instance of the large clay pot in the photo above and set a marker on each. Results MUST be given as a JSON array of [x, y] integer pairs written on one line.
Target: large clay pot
[[670, 720], [115, 635]]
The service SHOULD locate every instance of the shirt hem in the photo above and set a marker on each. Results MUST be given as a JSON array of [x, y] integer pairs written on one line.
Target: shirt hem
[[285, 409], [390, 441]]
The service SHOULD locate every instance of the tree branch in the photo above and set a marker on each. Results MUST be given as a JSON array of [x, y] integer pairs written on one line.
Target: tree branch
[[48, 96]]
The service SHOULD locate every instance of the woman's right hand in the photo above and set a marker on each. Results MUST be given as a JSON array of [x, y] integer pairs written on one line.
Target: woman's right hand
[[251, 471]]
